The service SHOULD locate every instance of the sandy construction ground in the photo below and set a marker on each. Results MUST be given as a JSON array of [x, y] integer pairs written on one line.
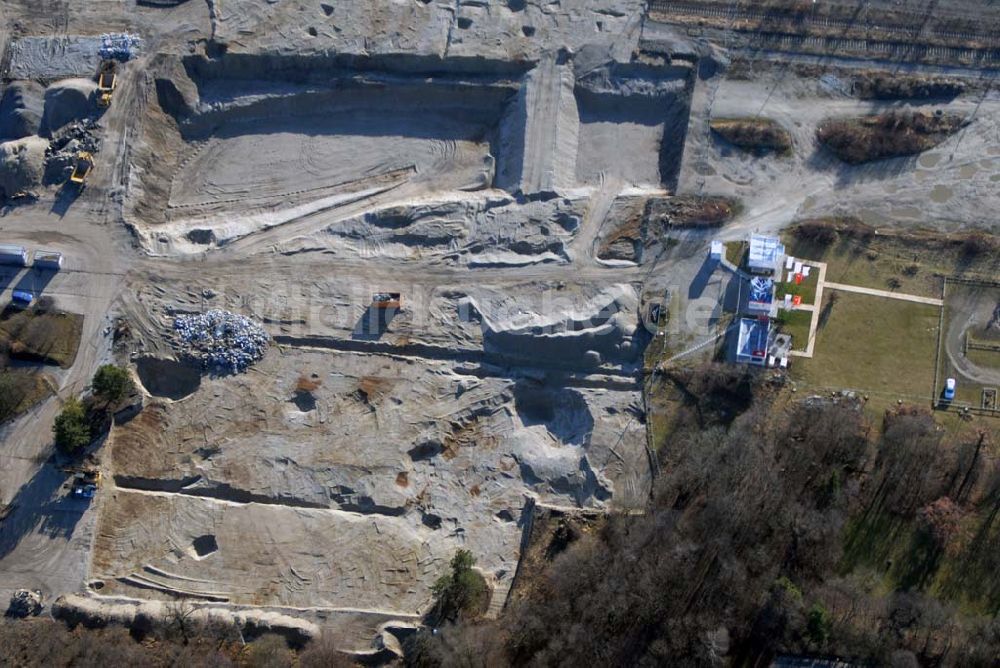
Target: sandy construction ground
[[287, 160], [385, 456]]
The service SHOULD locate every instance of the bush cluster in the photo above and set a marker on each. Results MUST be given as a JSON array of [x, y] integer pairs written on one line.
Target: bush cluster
[[759, 135], [889, 135]]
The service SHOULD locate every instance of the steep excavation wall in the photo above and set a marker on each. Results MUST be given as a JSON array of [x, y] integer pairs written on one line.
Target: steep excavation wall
[[320, 68]]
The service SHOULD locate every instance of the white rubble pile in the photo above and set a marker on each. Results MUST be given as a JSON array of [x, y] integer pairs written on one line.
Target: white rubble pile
[[119, 46], [222, 340]]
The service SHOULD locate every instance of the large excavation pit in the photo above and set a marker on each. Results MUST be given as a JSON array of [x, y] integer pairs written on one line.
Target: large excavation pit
[[247, 142], [632, 126]]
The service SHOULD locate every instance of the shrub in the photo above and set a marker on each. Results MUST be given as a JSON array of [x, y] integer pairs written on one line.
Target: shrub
[[461, 593], [268, 651], [71, 428], [9, 395], [322, 652], [979, 243], [690, 211], [818, 232], [111, 383], [889, 135], [754, 134], [906, 88], [818, 624]]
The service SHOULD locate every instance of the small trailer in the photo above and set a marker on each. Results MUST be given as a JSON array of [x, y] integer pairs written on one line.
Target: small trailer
[[13, 255], [47, 259]]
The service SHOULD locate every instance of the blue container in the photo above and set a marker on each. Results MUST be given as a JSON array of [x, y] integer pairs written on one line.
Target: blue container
[[23, 297]]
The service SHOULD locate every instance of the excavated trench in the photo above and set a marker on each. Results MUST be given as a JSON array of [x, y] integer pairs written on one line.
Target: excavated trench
[[196, 486]]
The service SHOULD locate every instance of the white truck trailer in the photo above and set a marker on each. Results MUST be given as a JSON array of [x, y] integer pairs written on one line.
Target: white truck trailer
[[15, 255]]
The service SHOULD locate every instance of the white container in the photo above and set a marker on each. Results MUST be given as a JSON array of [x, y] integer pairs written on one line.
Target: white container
[[46, 259], [15, 255]]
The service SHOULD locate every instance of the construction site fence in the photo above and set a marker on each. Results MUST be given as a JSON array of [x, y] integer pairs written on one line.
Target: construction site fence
[[965, 280]]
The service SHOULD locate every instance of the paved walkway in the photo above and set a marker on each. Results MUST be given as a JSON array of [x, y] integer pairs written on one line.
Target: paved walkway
[[881, 293], [814, 322]]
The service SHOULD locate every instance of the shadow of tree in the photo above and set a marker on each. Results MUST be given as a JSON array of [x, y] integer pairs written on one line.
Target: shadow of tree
[[41, 507]]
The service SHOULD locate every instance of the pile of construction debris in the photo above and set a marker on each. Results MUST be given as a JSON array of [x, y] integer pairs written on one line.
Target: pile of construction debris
[[120, 46], [221, 341], [66, 144]]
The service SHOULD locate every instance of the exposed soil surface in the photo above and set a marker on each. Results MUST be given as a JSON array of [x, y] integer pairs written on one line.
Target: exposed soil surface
[[528, 177]]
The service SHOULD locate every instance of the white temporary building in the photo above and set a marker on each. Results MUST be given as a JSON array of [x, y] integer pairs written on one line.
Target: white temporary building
[[766, 254]]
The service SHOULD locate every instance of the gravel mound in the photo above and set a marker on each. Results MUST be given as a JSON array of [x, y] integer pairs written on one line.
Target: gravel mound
[[221, 341], [21, 110], [22, 163], [67, 101]]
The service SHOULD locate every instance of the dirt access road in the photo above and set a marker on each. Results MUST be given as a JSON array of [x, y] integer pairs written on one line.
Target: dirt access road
[[46, 540]]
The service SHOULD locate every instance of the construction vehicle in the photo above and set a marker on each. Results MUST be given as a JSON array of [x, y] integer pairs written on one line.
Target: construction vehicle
[[387, 300], [107, 80], [82, 166], [84, 483]]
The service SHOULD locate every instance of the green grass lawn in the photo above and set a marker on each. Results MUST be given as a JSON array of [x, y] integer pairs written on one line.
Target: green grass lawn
[[987, 359], [806, 289], [736, 252], [885, 261], [967, 391], [19, 391], [797, 324], [40, 335], [881, 347]]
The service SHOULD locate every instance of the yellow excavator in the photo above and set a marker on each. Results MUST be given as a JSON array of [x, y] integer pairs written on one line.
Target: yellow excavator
[[82, 166], [107, 79]]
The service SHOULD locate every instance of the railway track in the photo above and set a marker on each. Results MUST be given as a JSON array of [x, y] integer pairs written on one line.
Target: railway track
[[917, 30], [920, 42], [870, 47]]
